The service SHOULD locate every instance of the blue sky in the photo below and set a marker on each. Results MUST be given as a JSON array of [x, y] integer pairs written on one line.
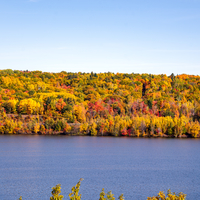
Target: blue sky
[[140, 36]]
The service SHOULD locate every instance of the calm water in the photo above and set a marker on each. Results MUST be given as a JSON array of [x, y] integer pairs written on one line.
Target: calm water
[[31, 165]]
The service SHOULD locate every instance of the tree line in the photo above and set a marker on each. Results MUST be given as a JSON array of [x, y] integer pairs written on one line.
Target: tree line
[[99, 104]]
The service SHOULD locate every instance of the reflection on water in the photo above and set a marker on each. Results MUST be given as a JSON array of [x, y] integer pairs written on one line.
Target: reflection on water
[[31, 165]]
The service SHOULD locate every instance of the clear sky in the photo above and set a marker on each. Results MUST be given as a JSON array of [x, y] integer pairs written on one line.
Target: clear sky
[[140, 36]]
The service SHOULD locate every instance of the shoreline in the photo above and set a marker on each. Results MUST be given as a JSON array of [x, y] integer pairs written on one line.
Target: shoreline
[[105, 135]]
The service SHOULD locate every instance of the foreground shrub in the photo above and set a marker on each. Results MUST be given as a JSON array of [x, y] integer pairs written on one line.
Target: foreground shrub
[[170, 196], [56, 193], [74, 195]]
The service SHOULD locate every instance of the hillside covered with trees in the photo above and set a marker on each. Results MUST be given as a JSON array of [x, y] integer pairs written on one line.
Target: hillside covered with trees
[[99, 104]]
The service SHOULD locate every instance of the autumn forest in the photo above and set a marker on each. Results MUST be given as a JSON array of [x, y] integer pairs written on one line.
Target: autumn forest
[[138, 105]]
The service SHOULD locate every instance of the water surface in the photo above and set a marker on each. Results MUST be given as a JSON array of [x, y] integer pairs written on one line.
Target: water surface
[[31, 165]]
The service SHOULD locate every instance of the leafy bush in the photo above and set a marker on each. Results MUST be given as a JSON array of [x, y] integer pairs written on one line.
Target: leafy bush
[[74, 195]]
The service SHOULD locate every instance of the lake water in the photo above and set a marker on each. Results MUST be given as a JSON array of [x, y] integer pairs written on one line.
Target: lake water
[[137, 167]]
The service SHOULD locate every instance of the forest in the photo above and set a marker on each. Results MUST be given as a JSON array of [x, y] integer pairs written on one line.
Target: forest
[[99, 104]]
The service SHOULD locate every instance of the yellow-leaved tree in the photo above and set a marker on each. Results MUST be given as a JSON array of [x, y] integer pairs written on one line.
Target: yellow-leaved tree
[[29, 106], [194, 129]]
